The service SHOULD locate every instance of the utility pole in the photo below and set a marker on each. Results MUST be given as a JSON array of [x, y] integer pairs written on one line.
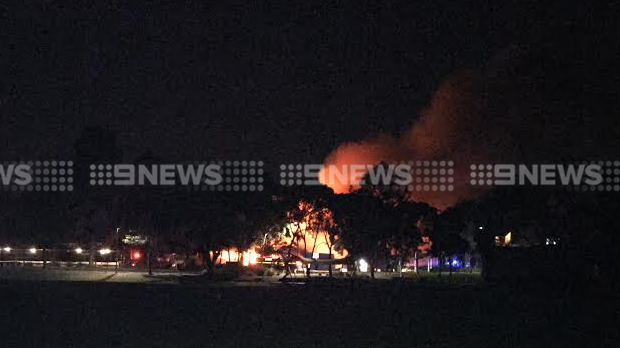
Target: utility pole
[[148, 257], [118, 249]]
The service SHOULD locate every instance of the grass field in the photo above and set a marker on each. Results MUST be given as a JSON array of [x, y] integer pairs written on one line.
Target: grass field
[[382, 313]]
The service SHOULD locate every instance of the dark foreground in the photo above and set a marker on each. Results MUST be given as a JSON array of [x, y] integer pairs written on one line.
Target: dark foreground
[[379, 314]]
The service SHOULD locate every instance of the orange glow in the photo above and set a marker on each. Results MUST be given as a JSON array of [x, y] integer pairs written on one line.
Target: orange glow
[[247, 258], [315, 243], [425, 246], [337, 172], [309, 235], [448, 129], [231, 255], [302, 238], [250, 257]]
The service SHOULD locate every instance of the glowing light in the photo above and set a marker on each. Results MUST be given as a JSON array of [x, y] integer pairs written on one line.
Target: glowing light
[[229, 256], [136, 255], [253, 257], [312, 242], [503, 240], [250, 257], [551, 241], [7, 249], [481, 228], [363, 265], [78, 250], [33, 250], [343, 270], [105, 251]]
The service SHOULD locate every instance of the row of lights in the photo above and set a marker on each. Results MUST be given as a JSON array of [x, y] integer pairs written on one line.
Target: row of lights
[[8, 250], [104, 251]]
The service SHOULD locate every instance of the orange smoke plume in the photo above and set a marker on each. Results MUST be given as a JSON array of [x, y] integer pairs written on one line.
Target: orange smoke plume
[[447, 130]]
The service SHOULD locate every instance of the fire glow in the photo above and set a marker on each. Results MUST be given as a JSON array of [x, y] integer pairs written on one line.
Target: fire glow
[[446, 130], [307, 237]]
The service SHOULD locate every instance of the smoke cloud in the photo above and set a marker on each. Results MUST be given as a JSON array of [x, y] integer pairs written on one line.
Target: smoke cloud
[[448, 130], [501, 114]]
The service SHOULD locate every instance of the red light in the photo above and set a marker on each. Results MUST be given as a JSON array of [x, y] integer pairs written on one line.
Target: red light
[[136, 255]]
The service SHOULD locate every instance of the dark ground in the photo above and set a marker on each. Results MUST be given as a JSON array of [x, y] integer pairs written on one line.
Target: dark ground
[[365, 314]]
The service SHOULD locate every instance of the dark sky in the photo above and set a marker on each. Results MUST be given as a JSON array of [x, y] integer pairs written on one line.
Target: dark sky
[[284, 82]]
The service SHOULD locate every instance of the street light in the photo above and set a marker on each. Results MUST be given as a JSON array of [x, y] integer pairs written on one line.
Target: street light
[[33, 250], [7, 249], [363, 265], [78, 250], [105, 251]]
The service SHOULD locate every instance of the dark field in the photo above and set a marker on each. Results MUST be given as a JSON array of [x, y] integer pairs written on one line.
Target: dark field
[[342, 314]]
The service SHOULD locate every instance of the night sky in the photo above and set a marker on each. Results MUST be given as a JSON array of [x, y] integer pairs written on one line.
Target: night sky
[[283, 82]]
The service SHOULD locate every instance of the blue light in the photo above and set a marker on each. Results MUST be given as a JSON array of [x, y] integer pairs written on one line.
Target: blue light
[[455, 263]]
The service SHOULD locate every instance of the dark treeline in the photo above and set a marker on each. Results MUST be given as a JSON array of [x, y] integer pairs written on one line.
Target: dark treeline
[[374, 222]]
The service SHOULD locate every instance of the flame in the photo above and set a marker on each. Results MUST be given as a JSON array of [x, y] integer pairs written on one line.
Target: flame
[[248, 257], [310, 237], [315, 243]]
